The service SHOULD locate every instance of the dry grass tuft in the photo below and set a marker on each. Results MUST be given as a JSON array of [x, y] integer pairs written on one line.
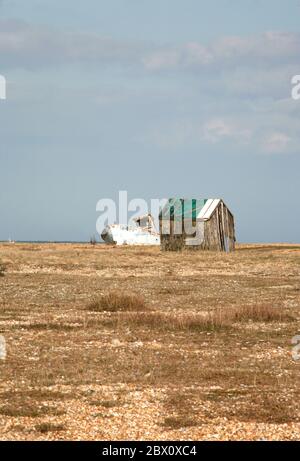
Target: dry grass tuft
[[268, 409], [178, 422], [31, 410], [2, 270], [257, 313], [49, 427], [47, 326], [180, 406], [220, 319], [106, 403], [260, 408], [116, 302], [34, 395], [188, 322]]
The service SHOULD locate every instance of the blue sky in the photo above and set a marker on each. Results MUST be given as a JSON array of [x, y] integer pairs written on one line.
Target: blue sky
[[160, 98]]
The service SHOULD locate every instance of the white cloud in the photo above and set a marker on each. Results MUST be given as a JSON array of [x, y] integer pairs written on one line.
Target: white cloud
[[262, 132], [164, 59], [195, 53], [276, 142], [26, 46], [215, 130], [238, 94], [219, 129], [171, 135], [268, 48], [188, 132]]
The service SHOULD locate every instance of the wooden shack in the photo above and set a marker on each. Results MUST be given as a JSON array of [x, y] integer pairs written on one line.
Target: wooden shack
[[196, 224]]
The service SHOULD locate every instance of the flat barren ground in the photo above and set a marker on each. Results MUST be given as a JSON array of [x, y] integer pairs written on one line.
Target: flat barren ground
[[132, 343]]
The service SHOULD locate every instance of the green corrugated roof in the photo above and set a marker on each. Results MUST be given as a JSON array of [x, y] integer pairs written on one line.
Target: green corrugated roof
[[179, 209]]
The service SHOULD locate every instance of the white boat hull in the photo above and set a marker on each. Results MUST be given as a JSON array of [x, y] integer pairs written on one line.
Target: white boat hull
[[120, 235]]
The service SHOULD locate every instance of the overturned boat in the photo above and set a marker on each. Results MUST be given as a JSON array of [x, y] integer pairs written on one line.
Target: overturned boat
[[142, 233]]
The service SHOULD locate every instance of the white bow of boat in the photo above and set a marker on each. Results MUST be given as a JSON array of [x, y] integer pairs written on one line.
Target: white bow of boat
[[143, 233]]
